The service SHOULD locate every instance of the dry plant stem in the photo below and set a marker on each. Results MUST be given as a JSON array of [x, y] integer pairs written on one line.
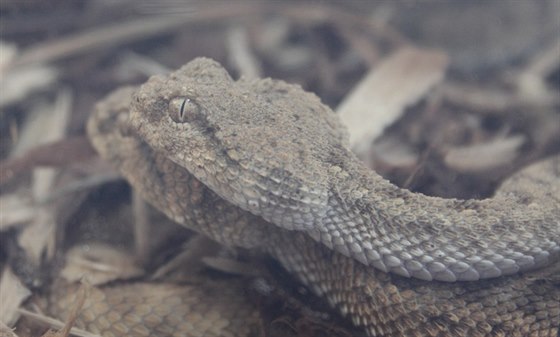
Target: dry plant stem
[[5, 331], [240, 53], [189, 259], [491, 101], [60, 153], [78, 304], [98, 38], [141, 28], [55, 323], [142, 228]]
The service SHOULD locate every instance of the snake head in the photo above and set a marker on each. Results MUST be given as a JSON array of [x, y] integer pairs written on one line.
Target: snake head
[[262, 145]]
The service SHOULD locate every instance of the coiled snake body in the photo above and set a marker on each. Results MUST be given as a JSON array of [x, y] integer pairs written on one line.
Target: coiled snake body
[[264, 165]]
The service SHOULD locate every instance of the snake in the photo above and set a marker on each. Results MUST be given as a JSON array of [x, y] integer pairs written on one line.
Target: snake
[[262, 164]]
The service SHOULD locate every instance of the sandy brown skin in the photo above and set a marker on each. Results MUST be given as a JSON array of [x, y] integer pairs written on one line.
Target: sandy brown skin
[[274, 150], [383, 304], [142, 309]]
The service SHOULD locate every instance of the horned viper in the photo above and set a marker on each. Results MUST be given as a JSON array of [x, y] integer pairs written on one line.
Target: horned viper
[[262, 164]]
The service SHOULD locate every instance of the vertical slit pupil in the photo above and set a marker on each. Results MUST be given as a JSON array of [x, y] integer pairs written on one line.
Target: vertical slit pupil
[[182, 111]]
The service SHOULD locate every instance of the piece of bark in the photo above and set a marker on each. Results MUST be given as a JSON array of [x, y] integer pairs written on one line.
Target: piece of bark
[[383, 94]]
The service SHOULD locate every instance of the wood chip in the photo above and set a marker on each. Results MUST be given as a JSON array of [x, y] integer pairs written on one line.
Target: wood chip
[[6, 331], [133, 63], [8, 52], [50, 126], [240, 55], [531, 82], [38, 237], [12, 295], [394, 153], [481, 100], [18, 83], [46, 123], [15, 210], [483, 157], [99, 264], [384, 93]]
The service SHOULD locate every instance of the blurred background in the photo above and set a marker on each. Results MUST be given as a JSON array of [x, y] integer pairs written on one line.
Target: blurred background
[[442, 97]]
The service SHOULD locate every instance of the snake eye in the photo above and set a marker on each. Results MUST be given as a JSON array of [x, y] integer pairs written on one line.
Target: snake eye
[[183, 110]]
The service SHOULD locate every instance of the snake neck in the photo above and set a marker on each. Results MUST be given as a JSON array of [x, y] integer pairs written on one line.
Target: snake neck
[[430, 238]]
